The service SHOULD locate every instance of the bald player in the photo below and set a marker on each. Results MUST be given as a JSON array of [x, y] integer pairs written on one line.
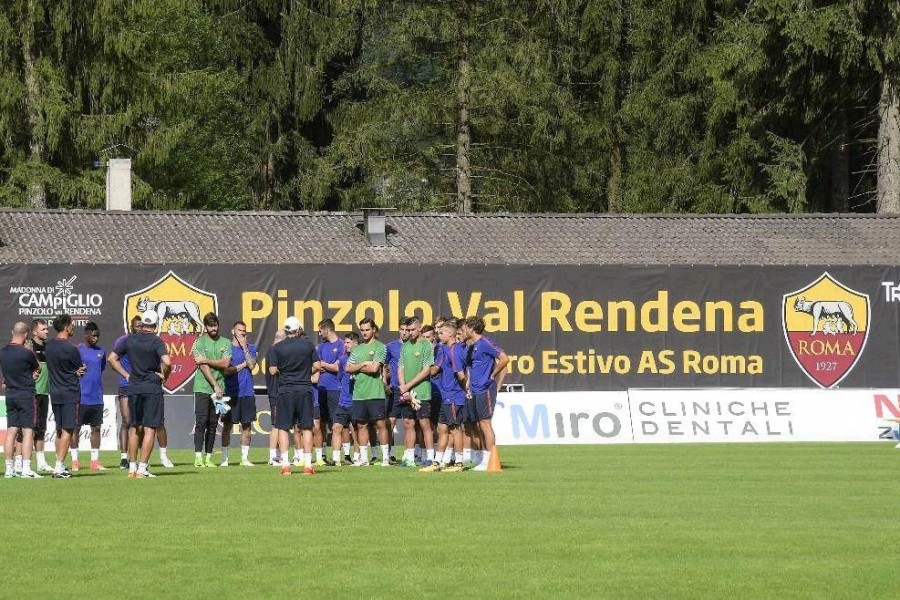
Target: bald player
[[19, 368]]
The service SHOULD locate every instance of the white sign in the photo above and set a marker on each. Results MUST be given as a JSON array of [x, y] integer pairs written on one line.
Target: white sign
[[108, 430], [757, 415], [562, 418]]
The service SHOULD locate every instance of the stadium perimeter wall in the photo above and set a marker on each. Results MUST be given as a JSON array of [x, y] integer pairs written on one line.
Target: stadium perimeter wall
[[663, 349]]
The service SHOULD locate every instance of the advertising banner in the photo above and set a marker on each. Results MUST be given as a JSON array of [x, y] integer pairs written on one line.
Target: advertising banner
[[108, 430], [759, 415], [635, 416], [562, 418], [565, 328]]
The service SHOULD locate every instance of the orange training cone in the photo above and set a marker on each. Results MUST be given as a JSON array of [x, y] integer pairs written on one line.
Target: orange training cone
[[494, 463]]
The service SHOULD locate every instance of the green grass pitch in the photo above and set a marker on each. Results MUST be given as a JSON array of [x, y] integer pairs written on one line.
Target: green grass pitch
[[749, 521]]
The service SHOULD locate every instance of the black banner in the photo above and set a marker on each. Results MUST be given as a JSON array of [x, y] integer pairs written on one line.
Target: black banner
[[565, 327]]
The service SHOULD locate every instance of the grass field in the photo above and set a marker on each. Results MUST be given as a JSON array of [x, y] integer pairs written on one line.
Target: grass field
[[810, 520]]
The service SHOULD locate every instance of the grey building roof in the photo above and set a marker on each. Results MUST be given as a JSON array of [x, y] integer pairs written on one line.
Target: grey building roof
[[56, 236]]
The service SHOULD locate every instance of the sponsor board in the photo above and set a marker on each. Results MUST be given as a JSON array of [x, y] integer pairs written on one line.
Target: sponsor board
[[179, 307], [108, 430], [562, 418], [760, 415], [826, 325], [636, 416], [46, 299]]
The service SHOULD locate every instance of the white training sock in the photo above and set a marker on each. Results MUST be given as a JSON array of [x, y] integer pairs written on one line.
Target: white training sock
[[307, 459], [408, 454], [429, 454], [73, 453], [320, 453], [336, 456], [132, 467], [245, 452], [485, 457], [95, 454], [272, 453], [9, 466], [224, 453], [385, 453], [448, 456], [163, 453], [17, 462], [364, 454], [346, 448], [198, 456], [125, 455], [142, 467], [355, 456], [467, 455], [59, 466]]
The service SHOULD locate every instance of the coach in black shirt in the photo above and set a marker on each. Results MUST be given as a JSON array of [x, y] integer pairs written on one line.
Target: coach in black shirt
[[150, 367], [65, 369], [292, 361], [19, 368]]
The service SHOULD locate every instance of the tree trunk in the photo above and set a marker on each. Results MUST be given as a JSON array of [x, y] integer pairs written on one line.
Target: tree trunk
[[840, 166], [37, 195], [463, 137], [887, 192], [614, 185]]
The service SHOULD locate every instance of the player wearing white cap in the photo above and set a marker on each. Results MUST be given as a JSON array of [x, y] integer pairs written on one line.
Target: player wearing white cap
[[150, 367], [293, 361]]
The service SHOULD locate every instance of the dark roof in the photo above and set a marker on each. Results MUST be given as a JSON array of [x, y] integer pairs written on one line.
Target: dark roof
[[56, 236]]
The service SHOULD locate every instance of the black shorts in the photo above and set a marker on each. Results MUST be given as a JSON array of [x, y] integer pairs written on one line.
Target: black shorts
[[451, 415], [317, 412], [21, 413], [470, 415], [123, 391], [393, 400], [395, 405], [328, 404], [243, 411], [66, 415], [147, 410], [295, 407], [342, 416], [436, 403], [484, 403], [40, 423], [91, 414], [409, 413], [368, 411]]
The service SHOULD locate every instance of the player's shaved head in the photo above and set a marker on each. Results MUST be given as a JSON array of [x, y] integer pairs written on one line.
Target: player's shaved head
[[20, 329]]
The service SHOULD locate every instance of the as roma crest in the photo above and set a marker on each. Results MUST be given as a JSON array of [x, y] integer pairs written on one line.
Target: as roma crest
[[180, 307], [826, 325]]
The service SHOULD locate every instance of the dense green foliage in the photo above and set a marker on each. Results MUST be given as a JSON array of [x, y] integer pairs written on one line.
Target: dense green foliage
[[536, 105], [622, 521]]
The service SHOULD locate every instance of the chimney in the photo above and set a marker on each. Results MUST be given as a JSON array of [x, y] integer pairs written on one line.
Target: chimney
[[374, 225], [118, 184]]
